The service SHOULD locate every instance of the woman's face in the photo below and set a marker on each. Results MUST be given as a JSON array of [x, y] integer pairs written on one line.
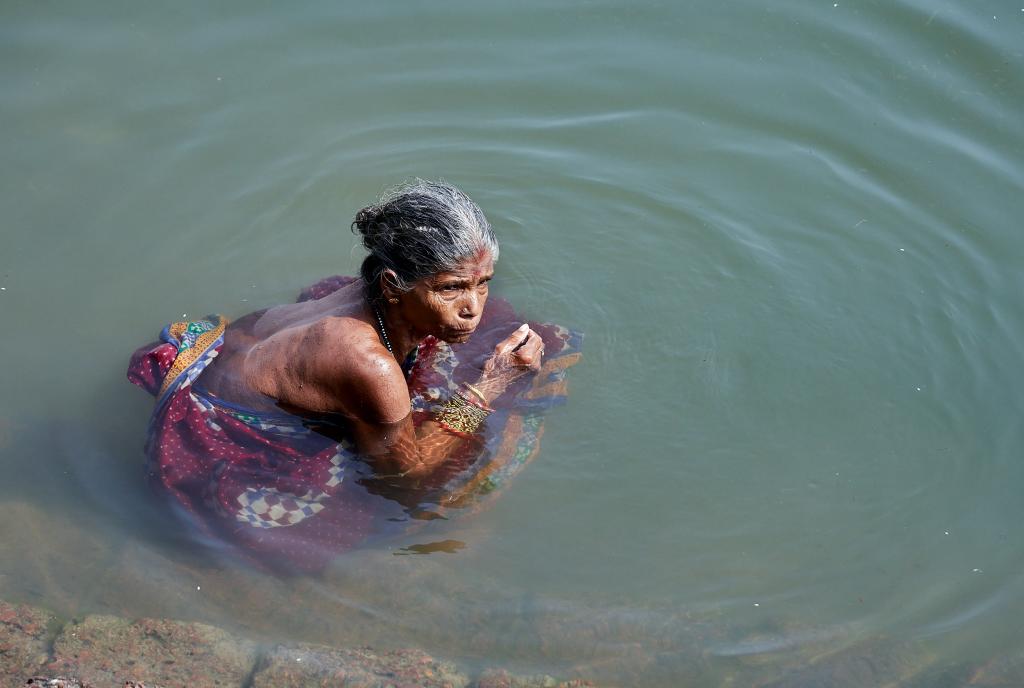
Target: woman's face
[[448, 305]]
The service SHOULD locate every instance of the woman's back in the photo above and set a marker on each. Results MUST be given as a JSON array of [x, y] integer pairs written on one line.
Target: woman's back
[[267, 354]]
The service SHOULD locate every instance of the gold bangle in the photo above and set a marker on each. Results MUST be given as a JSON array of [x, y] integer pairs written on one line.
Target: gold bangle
[[462, 415], [476, 391]]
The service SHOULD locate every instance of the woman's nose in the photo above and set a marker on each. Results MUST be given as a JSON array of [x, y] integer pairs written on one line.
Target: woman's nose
[[471, 306]]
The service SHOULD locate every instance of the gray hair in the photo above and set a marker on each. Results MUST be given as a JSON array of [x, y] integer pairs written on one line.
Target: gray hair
[[420, 229]]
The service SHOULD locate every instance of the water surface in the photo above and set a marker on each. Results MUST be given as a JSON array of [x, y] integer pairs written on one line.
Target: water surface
[[790, 233]]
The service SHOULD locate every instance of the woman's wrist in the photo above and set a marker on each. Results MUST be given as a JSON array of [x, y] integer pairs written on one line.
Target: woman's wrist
[[465, 412], [490, 387]]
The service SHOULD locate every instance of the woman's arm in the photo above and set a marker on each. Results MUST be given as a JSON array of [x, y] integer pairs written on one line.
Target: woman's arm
[[398, 447]]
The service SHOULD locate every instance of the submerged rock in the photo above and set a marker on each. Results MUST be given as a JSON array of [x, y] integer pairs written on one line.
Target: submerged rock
[[306, 666], [107, 650], [499, 678], [61, 682], [25, 634], [870, 663], [1001, 672], [49, 557], [102, 651], [150, 581]]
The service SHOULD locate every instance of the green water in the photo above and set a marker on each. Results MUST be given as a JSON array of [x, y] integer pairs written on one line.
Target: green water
[[790, 232]]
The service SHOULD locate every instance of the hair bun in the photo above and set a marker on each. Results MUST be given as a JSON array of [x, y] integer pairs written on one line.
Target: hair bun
[[370, 225], [365, 218]]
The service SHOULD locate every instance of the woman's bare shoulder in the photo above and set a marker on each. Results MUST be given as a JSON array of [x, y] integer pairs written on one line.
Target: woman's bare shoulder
[[348, 362]]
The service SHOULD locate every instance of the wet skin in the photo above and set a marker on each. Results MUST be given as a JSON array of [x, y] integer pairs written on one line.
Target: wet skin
[[327, 356]]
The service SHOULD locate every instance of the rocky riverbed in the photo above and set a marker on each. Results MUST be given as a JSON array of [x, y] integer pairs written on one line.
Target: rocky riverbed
[[99, 651]]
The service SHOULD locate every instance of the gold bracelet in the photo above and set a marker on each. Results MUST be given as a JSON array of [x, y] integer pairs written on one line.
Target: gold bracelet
[[476, 391], [461, 415]]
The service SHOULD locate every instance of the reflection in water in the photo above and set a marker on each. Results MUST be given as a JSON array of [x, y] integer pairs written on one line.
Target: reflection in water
[[448, 546], [290, 491]]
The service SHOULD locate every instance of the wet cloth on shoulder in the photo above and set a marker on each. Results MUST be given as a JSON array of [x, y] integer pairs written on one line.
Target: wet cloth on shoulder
[[291, 491]]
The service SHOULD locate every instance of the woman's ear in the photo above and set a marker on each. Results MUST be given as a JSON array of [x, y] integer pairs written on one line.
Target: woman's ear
[[389, 286]]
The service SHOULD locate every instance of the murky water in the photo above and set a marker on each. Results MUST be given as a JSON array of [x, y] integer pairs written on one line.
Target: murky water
[[790, 232]]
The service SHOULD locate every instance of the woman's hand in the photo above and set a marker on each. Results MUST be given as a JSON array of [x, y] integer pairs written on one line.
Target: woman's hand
[[400, 449], [516, 355]]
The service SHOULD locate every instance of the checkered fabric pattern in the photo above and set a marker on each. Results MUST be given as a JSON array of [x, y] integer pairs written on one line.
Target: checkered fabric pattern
[[266, 507]]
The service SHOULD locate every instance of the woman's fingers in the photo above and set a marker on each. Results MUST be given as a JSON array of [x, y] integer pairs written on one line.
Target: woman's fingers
[[530, 351], [513, 341], [514, 356], [522, 349]]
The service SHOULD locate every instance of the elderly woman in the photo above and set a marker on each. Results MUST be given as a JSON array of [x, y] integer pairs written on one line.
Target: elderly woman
[[401, 379]]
